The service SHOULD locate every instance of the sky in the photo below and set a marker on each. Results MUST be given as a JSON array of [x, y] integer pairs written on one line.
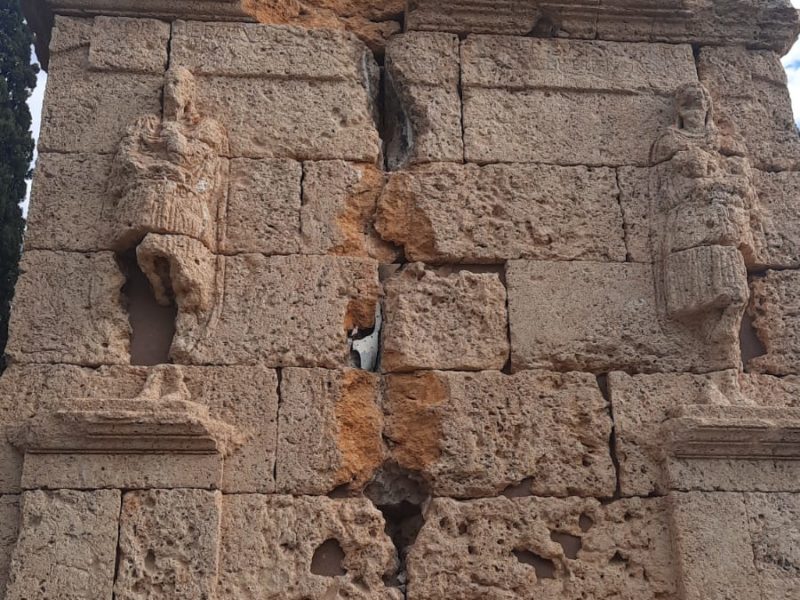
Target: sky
[[791, 63]]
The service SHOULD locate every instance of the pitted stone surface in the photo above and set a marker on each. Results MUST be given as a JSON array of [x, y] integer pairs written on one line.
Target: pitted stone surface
[[94, 90], [542, 547], [477, 434], [439, 321], [66, 547], [505, 212], [776, 542], [168, 545], [283, 311], [775, 309], [603, 317], [307, 109], [330, 430], [269, 545], [9, 530], [69, 309]]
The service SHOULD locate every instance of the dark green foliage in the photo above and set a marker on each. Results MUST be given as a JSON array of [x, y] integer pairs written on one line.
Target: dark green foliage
[[16, 147]]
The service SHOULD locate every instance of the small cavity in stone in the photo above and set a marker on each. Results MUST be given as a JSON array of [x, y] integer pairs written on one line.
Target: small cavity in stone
[[545, 568], [328, 559], [571, 544]]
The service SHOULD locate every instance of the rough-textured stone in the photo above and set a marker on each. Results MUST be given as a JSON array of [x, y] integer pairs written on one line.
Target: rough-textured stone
[[307, 108], [602, 317], [94, 91], [67, 546], [244, 397], [544, 548], [330, 431], [750, 90], [424, 103], [440, 321], [778, 195], [505, 212], [775, 312], [531, 110], [472, 435], [270, 542], [168, 545], [68, 309], [282, 311], [702, 521], [9, 530]]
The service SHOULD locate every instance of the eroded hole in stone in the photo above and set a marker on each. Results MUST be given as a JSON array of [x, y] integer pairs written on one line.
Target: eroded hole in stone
[[618, 559], [571, 544], [545, 27], [328, 559], [545, 568], [403, 523], [585, 522], [396, 130], [751, 345], [519, 490], [152, 325], [365, 344]]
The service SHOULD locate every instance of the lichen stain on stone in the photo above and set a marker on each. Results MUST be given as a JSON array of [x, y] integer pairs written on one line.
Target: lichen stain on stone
[[413, 421], [359, 424]]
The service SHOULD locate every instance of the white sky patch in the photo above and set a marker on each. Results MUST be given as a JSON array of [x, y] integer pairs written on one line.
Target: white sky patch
[[35, 104], [791, 62]]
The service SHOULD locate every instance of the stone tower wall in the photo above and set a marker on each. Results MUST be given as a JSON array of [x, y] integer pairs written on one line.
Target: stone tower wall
[[436, 300]]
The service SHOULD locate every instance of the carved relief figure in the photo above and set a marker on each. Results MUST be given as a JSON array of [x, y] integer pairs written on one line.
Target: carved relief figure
[[168, 174], [703, 219]]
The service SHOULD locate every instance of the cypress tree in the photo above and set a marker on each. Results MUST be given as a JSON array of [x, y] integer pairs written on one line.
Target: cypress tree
[[16, 148]]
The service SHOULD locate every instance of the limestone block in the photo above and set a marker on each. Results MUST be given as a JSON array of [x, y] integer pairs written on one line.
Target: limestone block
[[338, 213], [68, 309], [98, 83], [313, 100], [705, 521], [273, 547], [504, 212], [778, 197], [436, 320], [330, 431], [472, 435], [567, 102], [775, 310], [168, 545], [263, 211], [66, 547], [69, 204], [245, 398], [752, 98], [602, 317], [773, 525], [544, 548], [9, 530], [282, 311], [422, 87], [637, 203]]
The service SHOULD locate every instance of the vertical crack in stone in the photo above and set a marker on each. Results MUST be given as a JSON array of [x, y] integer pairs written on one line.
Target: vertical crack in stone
[[403, 524], [118, 559], [364, 344], [751, 345], [626, 225], [279, 392], [152, 322], [461, 99], [602, 383]]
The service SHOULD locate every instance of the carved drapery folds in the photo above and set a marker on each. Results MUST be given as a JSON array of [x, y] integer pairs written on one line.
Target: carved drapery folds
[[168, 183], [703, 220]]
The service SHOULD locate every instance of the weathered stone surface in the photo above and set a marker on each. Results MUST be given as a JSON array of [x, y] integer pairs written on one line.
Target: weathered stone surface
[[68, 309], [422, 87], [775, 312], [472, 435], [66, 547], [776, 542], [602, 317], [9, 530], [69, 204], [751, 94], [95, 90], [282, 311], [505, 212], [642, 406], [713, 520], [270, 544], [244, 397], [168, 545], [532, 110], [440, 321], [543, 548], [307, 108], [778, 194], [330, 431]]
